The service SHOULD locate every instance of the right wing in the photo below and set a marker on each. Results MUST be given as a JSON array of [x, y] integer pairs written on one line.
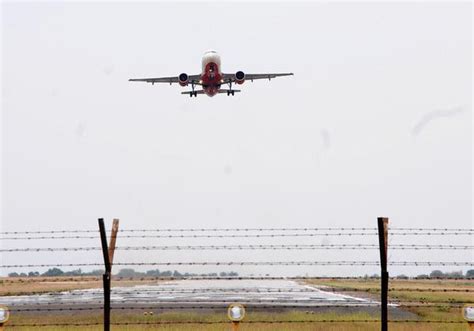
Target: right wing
[[227, 78], [170, 80]]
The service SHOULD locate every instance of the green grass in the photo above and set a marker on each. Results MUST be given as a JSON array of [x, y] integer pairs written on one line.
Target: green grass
[[406, 292], [312, 323]]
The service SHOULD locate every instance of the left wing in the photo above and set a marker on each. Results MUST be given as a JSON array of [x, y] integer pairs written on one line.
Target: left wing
[[170, 80], [231, 77]]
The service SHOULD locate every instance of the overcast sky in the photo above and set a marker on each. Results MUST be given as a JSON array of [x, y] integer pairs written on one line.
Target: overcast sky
[[376, 121]]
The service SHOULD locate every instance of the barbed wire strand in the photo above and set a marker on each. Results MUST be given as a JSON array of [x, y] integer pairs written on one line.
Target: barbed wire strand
[[244, 230], [404, 303], [246, 322], [256, 291], [95, 278], [248, 247], [224, 305], [278, 235], [247, 263]]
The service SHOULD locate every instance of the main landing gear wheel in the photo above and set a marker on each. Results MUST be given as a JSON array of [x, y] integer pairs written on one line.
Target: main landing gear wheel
[[230, 92], [193, 92]]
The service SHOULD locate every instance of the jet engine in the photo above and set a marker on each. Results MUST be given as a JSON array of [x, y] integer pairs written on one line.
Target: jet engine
[[239, 77], [183, 79]]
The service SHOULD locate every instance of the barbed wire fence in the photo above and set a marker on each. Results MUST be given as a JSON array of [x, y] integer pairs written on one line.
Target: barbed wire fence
[[130, 301]]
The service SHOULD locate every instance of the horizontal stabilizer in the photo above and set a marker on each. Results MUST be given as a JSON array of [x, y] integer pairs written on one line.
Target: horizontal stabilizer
[[226, 91], [195, 92]]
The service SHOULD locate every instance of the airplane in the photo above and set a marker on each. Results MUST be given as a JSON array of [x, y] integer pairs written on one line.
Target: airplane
[[211, 78]]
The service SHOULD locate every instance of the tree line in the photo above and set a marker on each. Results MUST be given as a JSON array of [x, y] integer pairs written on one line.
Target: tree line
[[447, 275], [132, 273], [125, 273]]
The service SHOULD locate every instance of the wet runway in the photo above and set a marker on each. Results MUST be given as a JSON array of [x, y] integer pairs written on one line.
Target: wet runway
[[279, 293]]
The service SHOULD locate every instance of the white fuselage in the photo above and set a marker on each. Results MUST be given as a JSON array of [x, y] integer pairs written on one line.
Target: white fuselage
[[211, 57], [211, 75]]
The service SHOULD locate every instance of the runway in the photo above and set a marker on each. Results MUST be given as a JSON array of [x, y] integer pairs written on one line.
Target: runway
[[277, 293]]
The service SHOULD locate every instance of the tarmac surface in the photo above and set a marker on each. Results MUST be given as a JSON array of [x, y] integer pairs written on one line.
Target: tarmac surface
[[204, 295], [275, 292]]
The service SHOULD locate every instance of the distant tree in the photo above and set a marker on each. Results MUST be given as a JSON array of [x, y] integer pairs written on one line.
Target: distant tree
[[54, 272], [422, 276], [153, 273], [166, 273], [77, 272], [233, 274], [223, 274], [454, 274], [470, 273], [402, 277], [127, 272], [13, 274], [437, 274], [23, 274], [33, 274]]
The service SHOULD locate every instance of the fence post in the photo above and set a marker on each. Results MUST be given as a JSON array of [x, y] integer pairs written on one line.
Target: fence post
[[108, 253], [383, 242], [113, 238]]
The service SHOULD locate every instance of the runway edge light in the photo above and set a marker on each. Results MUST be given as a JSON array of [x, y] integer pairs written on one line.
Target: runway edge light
[[4, 315], [468, 314], [236, 313]]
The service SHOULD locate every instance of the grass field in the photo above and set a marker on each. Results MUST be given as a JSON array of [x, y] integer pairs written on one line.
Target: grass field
[[311, 323], [362, 287], [400, 290], [38, 285]]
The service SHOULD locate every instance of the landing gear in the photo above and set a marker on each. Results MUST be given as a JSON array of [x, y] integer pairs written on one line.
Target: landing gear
[[230, 90], [193, 92]]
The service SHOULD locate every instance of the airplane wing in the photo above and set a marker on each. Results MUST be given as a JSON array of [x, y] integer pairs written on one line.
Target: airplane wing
[[170, 80], [231, 77]]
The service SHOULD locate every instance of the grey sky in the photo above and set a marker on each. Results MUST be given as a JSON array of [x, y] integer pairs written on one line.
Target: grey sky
[[331, 146]]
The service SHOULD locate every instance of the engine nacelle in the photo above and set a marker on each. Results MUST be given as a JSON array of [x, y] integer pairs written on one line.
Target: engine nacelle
[[183, 79], [239, 77]]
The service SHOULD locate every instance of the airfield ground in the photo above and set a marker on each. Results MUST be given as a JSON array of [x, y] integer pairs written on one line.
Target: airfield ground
[[38, 285], [365, 288]]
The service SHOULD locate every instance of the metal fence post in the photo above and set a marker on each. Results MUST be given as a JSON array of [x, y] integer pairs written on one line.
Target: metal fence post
[[106, 276], [383, 242]]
